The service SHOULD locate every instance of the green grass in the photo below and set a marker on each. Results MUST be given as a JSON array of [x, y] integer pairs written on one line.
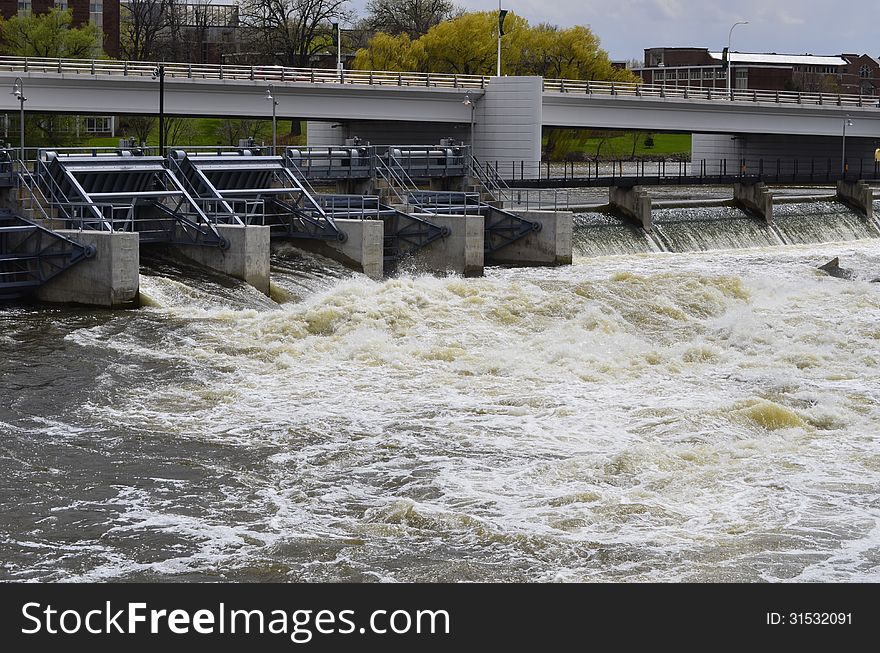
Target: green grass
[[204, 132], [614, 145]]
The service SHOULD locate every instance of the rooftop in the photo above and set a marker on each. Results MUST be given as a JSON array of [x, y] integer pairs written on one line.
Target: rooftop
[[782, 59]]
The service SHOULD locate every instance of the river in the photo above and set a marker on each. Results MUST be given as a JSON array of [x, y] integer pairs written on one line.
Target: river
[[641, 415]]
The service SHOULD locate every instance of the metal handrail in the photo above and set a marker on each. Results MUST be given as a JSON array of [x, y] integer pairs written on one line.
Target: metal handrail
[[24, 179], [282, 74], [289, 74], [638, 89]]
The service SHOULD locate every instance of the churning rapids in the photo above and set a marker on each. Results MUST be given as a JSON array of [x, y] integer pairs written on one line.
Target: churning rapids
[[640, 416]]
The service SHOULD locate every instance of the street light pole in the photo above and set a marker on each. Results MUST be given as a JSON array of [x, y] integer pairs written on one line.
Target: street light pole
[[271, 98], [337, 30], [501, 14], [159, 73], [470, 103], [846, 123], [18, 92], [730, 54]]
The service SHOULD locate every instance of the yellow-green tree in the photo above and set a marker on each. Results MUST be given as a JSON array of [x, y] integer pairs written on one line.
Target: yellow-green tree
[[386, 52], [468, 45]]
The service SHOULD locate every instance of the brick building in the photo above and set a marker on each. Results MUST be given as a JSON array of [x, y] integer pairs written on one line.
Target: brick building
[[103, 13], [700, 67]]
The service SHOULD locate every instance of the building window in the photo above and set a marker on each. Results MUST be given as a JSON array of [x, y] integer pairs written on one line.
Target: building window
[[695, 74], [96, 12], [682, 74], [61, 4], [24, 5], [864, 71], [708, 74], [99, 124], [659, 76]]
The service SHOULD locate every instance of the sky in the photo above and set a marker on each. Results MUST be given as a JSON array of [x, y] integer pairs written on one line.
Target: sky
[[627, 27]]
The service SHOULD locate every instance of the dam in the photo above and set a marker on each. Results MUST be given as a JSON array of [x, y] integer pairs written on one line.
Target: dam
[[696, 401], [640, 415]]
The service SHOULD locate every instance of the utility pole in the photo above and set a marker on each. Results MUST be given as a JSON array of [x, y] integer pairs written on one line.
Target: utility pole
[[159, 73]]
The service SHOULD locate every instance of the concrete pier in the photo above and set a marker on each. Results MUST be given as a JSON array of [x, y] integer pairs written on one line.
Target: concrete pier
[[857, 195], [550, 246], [247, 257], [363, 249], [754, 198], [459, 253], [111, 278], [633, 203]]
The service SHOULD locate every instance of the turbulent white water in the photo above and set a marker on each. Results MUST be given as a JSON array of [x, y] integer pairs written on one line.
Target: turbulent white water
[[657, 417], [654, 416]]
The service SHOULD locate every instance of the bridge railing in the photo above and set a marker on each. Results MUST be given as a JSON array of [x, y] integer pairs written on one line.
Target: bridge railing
[[681, 171], [280, 74], [290, 74], [635, 89]]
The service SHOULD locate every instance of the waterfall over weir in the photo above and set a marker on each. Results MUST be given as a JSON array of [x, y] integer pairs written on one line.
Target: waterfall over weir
[[691, 229]]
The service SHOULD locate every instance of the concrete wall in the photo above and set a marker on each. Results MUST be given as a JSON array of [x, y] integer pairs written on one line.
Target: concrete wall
[[362, 251], [770, 147], [507, 126], [247, 257], [756, 199], [459, 253], [109, 279], [633, 203], [323, 134], [549, 246], [857, 195]]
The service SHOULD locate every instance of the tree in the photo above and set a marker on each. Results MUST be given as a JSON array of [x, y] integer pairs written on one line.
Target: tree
[[230, 131], [143, 28], [388, 52], [467, 45], [411, 17], [289, 32], [52, 34], [140, 126]]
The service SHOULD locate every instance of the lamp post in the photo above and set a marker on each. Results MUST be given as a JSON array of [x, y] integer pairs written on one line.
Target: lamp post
[[846, 123], [159, 73], [271, 98], [337, 35], [501, 14], [730, 54], [18, 92], [470, 103]]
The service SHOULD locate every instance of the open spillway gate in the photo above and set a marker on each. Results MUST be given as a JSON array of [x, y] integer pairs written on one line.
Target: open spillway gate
[[404, 234], [273, 191], [246, 189], [31, 255], [501, 227], [124, 192]]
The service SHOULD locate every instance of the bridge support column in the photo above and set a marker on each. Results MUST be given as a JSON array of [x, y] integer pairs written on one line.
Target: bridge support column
[[754, 198], [633, 203], [461, 252], [111, 278], [362, 249], [857, 195], [549, 246], [247, 257]]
